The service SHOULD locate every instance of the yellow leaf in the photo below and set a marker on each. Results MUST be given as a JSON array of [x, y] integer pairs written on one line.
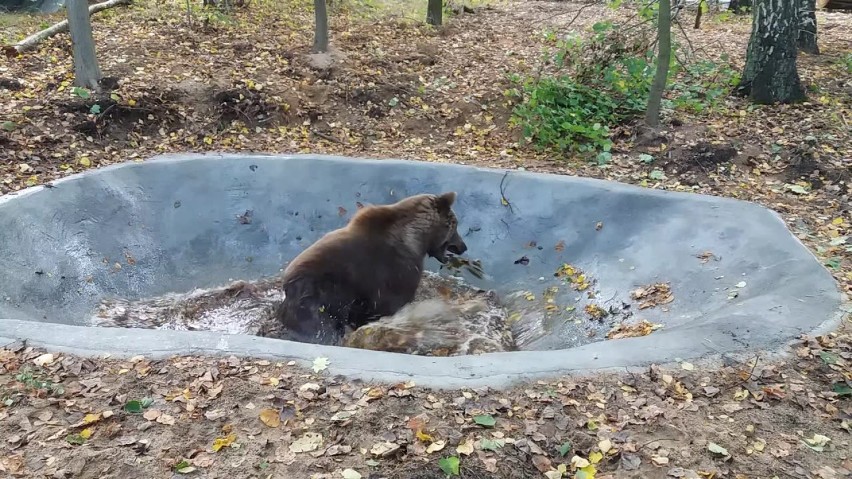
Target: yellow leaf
[[274, 381], [595, 457], [465, 448], [208, 140], [837, 221], [131, 102], [221, 442], [587, 472], [423, 436], [86, 433], [270, 417], [741, 394], [90, 418], [85, 162]]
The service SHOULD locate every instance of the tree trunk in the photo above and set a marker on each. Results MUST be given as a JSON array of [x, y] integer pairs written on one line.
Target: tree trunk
[[321, 32], [740, 6], [808, 27], [702, 4], [664, 54], [435, 12], [770, 74], [87, 73]]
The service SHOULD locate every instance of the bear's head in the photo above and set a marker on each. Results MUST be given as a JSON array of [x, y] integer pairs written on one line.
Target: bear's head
[[444, 235]]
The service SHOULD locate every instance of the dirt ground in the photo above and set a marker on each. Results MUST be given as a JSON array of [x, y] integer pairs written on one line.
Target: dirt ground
[[397, 89]]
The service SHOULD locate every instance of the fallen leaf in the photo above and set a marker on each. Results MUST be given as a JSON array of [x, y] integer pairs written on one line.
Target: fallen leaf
[[450, 465], [687, 366], [152, 414], [817, 442], [270, 417], [465, 448], [44, 360], [221, 442], [717, 449], [350, 474], [320, 364], [86, 433], [310, 441], [422, 436], [578, 462], [166, 419], [435, 447], [485, 420], [595, 457], [383, 449], [542, 463]]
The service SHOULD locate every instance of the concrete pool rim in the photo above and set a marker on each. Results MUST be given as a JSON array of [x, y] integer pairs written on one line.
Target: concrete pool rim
[[496, 370]]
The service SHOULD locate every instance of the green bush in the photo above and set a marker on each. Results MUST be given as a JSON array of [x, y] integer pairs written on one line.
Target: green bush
[[702, 85], [603, 82], [574, 111]]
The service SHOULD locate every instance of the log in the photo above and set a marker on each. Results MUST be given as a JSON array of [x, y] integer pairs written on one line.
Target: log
[[33, 40]]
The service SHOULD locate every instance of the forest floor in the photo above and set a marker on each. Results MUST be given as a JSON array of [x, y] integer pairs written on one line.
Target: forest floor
[[394, 88]]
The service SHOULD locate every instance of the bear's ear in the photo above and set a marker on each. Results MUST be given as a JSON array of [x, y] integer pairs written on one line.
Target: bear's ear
[[446, 200]]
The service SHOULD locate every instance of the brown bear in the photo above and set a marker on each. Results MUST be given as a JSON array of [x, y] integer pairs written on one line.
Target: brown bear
[[368, 269]]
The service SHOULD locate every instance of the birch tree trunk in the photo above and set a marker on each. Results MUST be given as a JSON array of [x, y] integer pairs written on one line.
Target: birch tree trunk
[[770, 74], [808, 27], [435, 12], [87, 73], [664, 54], [321, 29]]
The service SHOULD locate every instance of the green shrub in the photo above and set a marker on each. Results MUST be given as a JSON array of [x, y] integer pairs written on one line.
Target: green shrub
[[702, 85]]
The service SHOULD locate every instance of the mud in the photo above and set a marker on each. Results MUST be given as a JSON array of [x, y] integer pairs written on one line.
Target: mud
[[447, 317]]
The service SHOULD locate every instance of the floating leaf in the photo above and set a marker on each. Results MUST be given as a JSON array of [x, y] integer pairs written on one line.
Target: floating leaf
[[450, 465], [687, 366], [485, 420], [320, 364], [270, 417]]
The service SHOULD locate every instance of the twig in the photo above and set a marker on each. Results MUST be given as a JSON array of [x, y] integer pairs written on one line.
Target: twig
[[503, 200], [326, 137]]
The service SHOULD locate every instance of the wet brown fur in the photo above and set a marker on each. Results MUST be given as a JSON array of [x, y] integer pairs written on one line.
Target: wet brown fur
[[368, 269]]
